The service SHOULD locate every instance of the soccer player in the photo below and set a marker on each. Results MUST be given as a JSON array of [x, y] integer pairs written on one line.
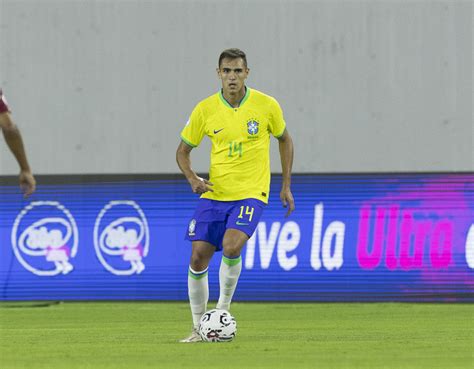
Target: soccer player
[[238, 120], [15, 143]]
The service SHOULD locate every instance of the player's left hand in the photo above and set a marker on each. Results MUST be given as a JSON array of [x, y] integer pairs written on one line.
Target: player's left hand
[[27, 183], [287, 200], [200, 185]]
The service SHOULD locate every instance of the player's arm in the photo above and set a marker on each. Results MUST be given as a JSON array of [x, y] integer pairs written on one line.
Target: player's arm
[[286, 156], [183, 158], [15, 143]]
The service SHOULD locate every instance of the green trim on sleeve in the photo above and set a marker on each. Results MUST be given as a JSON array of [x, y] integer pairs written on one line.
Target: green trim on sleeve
[[281, 133], [188, 142]]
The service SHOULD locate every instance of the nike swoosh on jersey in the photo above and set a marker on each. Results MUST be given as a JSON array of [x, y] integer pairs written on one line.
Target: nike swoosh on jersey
[[217, 131], [240, 223]]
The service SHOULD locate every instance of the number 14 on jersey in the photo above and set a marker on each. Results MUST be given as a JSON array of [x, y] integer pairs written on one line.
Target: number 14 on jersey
[[235, 148]]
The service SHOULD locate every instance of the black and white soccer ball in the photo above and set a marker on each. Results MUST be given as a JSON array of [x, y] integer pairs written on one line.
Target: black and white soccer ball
[[217, 325]]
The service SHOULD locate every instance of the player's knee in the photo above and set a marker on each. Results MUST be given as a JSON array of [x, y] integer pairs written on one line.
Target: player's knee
[[231, 250], [198, 262]]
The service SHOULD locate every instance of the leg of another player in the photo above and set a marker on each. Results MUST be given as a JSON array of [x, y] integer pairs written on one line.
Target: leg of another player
[[231, 265], [198, 287]]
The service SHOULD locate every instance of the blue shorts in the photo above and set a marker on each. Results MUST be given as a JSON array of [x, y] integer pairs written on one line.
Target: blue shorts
[[212, 218]]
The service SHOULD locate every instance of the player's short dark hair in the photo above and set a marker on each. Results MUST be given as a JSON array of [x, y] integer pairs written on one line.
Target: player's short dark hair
[[233, 54]]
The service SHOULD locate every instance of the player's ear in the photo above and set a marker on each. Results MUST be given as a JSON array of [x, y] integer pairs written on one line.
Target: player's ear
[[218, 72]]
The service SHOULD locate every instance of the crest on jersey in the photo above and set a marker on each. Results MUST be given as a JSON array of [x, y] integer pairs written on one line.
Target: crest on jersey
[[252, 127]]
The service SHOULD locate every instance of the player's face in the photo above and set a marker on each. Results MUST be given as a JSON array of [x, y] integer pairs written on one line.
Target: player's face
[[233, 74]]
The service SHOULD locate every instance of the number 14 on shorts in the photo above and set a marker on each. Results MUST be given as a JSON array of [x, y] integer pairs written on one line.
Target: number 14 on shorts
[[248, 211]]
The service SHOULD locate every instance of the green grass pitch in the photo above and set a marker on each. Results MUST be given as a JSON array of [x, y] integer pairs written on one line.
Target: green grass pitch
[[137, 335]]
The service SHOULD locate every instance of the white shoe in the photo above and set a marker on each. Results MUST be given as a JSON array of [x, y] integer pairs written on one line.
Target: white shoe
[[193, 337]]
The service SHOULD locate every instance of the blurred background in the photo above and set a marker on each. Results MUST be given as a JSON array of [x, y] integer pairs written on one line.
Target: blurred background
[[366, 86]]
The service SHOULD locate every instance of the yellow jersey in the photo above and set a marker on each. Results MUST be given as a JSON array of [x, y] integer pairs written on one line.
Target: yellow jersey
[[240, 137]]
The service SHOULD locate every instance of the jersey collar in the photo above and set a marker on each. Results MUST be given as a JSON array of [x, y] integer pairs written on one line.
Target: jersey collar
[[244, 99]]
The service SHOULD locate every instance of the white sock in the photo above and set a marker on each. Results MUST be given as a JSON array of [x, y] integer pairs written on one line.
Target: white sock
[[229, 274], [198, 292]]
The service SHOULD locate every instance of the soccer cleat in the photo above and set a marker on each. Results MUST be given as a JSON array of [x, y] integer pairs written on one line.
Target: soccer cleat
[[193, 337]]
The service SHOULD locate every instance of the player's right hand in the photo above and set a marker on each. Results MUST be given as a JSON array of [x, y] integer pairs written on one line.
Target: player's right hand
[[27, 183], [201, 185]]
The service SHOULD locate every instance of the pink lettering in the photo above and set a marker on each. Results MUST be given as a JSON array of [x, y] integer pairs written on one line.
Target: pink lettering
[[441, 245], [405, 239], [413, 233], [411, 236], [423, 229], [391, 260], [367, 259]]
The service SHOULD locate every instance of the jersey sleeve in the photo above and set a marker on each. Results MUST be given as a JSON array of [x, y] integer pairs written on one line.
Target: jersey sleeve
[[3, 104], [193, 132], [277, 122]]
